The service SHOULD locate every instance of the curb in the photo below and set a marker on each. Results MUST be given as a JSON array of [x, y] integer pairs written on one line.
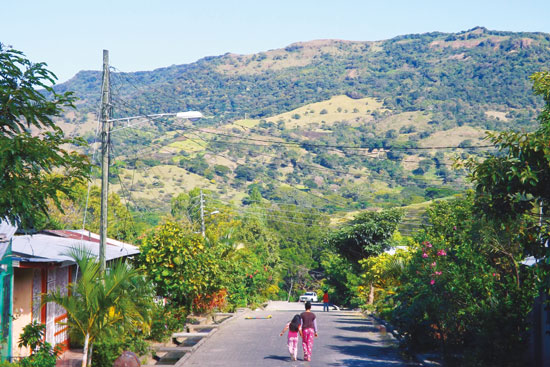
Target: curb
[[203, 340], [394, 333]]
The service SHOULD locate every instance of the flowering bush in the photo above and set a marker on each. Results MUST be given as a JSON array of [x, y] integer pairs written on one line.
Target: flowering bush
[[460, 295], [209, 302]]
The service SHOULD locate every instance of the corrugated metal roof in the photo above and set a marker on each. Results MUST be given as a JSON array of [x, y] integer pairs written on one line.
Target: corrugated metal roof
[[50, 248], [82, 234]]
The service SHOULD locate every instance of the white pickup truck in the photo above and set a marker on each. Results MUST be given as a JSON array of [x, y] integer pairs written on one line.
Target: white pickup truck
[[309, 296]]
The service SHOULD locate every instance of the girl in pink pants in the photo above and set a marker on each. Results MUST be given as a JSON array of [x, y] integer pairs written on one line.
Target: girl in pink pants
[[294, 328]]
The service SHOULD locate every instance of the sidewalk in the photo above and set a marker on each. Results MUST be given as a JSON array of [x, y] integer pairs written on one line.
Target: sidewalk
[[71, 358]]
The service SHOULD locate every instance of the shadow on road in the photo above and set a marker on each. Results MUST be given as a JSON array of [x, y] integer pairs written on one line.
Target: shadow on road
[[360, 329], [363, 363], [362, 344], [278, 358]]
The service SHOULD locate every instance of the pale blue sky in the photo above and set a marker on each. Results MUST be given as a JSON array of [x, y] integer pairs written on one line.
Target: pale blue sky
[[70, 35]]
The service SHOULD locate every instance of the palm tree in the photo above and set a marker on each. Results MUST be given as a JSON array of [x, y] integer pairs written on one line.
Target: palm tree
[[97, 302]]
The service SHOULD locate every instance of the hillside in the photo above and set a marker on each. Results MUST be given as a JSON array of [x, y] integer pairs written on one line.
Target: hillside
[[334, 124]]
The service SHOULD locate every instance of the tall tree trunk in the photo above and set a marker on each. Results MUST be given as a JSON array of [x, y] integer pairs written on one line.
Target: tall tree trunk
[[90, 354], [371, 294], [85, 354]]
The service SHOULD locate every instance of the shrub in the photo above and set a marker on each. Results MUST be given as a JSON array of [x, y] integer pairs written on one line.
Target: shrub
[[106, 351], [460, 294], [44, 355], [166, 320]]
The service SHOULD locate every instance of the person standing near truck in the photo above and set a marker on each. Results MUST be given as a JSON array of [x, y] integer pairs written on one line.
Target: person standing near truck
[[326, 303]]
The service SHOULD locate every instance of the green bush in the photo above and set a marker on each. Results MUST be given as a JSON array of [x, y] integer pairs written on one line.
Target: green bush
[[166, 320], [106, 351], [460, 294], [44, 355]]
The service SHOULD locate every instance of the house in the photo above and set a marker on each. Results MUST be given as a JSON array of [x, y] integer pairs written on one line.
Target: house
[[6, 286], [41, 264]]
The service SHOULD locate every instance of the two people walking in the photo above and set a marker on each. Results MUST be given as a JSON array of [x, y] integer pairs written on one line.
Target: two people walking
[[304, 324]]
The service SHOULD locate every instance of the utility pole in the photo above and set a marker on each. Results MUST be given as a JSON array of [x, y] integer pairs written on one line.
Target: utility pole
[[105, 143], [202, 215]]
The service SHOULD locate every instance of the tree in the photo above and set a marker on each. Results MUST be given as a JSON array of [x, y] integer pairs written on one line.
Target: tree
[[180, 264], [99, 301], [516, 181], [368, 234], [122, 224], [34, 165], [218, 217]]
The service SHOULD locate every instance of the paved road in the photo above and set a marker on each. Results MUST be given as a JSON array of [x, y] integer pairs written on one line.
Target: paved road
[[345, 339]]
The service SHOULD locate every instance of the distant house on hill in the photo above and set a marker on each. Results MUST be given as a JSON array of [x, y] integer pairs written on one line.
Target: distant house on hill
[[41, 264]]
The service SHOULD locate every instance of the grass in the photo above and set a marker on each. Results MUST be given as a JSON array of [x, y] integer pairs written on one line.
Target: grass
[[188, 146], [417, 118], [455, 136], [154, 183], [337, 109], [280, 59]]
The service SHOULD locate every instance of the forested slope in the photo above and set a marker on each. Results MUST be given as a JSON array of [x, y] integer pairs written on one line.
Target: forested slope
[[337, 124]]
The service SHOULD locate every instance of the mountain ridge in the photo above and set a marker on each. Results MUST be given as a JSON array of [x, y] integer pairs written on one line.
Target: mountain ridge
[[399, 96]]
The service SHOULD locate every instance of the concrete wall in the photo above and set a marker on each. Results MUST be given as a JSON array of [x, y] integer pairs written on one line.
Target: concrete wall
[[22, 306]]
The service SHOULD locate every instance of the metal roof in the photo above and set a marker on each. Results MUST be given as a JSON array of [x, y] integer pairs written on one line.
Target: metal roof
[[52, 248]]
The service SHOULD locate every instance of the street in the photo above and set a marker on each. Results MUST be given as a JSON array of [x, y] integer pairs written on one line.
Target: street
[[346, 338]]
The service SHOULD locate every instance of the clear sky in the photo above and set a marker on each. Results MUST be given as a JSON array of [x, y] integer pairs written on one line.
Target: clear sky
[[69, 35]]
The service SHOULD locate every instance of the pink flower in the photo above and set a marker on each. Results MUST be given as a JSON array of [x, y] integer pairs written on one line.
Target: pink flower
[[454, 228], [494, 274], [441, 253], [437, 273], [424, 255], [432, 282], [434, 264]]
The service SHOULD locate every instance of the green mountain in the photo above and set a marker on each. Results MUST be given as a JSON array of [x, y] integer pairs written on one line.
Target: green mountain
[[335, 124]]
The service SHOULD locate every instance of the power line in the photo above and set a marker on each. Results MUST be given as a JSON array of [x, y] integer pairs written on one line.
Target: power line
[[339, 147]]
